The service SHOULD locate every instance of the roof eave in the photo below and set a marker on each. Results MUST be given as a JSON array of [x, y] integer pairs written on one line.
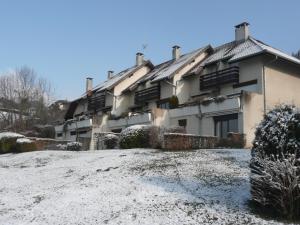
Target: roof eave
[[265, 51], [206, 48]]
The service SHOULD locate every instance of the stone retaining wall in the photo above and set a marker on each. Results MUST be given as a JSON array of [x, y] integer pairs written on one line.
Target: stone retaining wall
[[174, 141], [47, 143]]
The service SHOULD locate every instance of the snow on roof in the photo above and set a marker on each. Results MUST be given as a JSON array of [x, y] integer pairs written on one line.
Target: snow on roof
[[237, 50], [4, 135], [174, 65], [114, 80], [108, 84]]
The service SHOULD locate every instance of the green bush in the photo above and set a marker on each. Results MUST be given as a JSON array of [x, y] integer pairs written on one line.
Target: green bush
[[111, 141], [73, 146], [174, 102], [278, 133], [8, 142], [25, 146], [135, 137], [7, 145]]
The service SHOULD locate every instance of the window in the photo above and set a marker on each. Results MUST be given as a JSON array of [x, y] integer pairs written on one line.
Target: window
[[225, 124], [164, 104], [116, 130], [82, 132], [182, 123], [72, 133], [59, 134]]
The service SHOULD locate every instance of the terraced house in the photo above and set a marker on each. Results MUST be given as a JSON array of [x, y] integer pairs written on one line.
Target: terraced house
[[209, 91]]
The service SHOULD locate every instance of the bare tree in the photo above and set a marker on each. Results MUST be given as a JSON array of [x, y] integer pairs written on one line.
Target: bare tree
[[296, 54], [24, 98]]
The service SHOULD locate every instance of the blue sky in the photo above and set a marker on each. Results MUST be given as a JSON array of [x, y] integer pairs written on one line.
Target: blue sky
[[67, 40]]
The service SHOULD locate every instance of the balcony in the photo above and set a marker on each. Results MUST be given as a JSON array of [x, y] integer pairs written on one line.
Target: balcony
[[218, 78], [230, 105], [96, 102], [74, 125], [147, 94], [143, 118]]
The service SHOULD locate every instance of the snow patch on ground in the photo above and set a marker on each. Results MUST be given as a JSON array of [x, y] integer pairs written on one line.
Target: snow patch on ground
[[126, 187], [24, 140], [10, 135]]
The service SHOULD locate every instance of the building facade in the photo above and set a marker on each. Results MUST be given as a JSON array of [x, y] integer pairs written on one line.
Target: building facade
[[209, 91]]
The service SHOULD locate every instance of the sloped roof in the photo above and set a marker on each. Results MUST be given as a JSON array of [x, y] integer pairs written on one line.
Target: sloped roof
[[110, 83], [169, 68], [149, 75], [237, 50], [264, 48]]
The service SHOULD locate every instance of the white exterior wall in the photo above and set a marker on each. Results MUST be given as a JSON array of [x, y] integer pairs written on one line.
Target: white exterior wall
[[252, 69], [166, 90], [190, 114], [182, 87], [253, 111], [121, 103], [76, 125], [109, 100], [207, 126], [282, 84], [81, 107]]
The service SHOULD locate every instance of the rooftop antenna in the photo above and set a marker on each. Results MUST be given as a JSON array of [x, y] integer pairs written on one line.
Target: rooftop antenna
[[144, 46]]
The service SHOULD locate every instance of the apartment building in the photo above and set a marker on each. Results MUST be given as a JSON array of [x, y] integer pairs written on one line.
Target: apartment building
[[219, 90]]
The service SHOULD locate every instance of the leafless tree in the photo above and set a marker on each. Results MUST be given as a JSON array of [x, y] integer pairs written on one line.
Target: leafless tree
[[296, 54], [24, 98]]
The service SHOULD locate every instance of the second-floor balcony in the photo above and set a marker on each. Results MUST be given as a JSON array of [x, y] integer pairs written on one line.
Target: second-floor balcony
[[219, 78], [152, 93], [96, 102]]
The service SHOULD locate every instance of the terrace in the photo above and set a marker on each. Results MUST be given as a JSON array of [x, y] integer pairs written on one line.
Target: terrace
[[218, 78], [147, 94]]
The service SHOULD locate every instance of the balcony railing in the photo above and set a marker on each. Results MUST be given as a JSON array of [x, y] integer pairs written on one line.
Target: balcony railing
[[218, 78], [96, 102], [147, 94]]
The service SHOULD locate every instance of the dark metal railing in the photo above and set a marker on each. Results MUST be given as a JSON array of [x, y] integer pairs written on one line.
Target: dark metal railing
[[96, 102], [218, 78], [147, 94]]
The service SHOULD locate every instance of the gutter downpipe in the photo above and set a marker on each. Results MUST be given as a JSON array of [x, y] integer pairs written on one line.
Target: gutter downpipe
[[264, 82]]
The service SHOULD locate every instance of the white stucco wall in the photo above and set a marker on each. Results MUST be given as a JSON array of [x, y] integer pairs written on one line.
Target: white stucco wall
[[121, 103], [282, 84], [81, 107], [182, 85], [166, 89]]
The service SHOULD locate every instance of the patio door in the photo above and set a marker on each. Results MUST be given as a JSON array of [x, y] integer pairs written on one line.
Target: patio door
[[225, 124]]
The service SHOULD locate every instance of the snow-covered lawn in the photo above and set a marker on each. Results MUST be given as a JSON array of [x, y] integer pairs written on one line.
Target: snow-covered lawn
[[126, 187]]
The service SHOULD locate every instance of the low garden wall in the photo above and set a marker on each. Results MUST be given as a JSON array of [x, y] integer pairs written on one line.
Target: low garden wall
[[47, 143], [176, 141]]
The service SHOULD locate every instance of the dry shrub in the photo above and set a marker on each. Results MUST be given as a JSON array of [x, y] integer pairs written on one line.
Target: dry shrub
[[275, 185], [275, 164]]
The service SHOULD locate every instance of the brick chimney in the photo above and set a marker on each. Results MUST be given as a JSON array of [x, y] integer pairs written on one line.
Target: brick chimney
[[139, 58], [110, 74], [89, 84], [242, 31], [176, 52]]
